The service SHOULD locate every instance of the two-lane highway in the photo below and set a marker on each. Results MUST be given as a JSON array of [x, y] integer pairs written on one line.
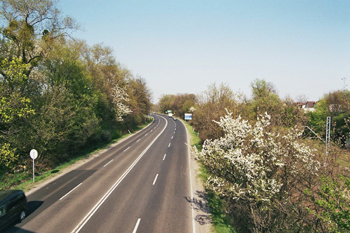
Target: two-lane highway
[[140, 185]]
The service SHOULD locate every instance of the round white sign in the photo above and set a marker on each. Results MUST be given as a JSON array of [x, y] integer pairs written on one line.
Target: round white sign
[[33, 154]]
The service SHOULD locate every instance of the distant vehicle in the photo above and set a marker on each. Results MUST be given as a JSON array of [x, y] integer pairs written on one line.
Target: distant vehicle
[[13, 207], [170, 114]]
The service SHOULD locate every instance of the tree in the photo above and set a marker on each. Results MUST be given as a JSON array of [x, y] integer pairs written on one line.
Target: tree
[[337, 106], [140, 101], [14, 108], [179, 104], [211, 106], [32, 26], [283, 111]]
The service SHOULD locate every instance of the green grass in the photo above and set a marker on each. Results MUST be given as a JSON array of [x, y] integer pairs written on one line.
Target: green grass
[[24, 180], [221, 223], [194, 139]]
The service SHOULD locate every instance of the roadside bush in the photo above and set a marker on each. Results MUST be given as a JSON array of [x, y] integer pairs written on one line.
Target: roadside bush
[[261, 172], [332, 204]]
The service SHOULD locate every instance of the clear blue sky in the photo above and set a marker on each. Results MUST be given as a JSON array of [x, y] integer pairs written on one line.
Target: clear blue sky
[[178, 46]]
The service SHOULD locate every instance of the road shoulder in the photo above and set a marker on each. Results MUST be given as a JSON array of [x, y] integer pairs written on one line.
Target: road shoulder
[[200, 208]]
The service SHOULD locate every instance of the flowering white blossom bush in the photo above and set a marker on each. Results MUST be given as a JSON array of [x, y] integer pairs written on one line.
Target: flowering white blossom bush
[[251, 163], [120, 97]]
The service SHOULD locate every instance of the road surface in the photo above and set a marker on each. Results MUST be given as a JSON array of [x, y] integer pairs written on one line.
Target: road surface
[[141, 185]]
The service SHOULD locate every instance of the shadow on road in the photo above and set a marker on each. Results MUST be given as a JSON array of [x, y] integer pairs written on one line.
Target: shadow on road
[[18, 230], [32, 207], [199, 204]]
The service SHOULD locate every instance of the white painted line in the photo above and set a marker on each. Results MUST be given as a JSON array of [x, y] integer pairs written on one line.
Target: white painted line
[[152, 130], [172, 137], [155, 179], [138, 140], [70, 191], [146, 134], [108, 163], [169, 144], [127, 149], [109, 192], [137, 225], [174, 132], [190, 176], [164, 156]]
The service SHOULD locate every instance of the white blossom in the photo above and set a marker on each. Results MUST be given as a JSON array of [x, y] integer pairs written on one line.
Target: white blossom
[[246, 161], [120, 99]]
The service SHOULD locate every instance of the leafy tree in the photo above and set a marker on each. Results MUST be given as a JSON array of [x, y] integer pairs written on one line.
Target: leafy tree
[[332, 204], [14, 108], [165, 102], [211, 105], [31, 27], [179, 104], [140, 101], [337, 106]]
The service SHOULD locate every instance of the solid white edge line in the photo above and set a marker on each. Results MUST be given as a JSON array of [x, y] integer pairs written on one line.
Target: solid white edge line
[[108, 193], [108, 163], [190, 165], [137, 225], [155, 179], [69, 192]]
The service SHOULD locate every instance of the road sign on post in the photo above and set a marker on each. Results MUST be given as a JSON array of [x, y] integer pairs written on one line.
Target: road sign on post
[[33, 154]]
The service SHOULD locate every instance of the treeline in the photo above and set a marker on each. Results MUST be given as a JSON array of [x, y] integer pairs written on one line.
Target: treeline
[[57, 94], [335, 105], [265, 160], [212, 103]]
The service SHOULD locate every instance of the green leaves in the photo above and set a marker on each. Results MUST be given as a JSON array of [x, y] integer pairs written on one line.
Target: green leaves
[[8, 158], [12, 102], [332, 203]]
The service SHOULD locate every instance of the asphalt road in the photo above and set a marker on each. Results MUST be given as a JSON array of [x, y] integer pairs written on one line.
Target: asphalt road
[[140, 185]]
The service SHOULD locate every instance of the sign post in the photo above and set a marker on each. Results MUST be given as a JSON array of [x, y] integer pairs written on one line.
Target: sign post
[[33, 154]]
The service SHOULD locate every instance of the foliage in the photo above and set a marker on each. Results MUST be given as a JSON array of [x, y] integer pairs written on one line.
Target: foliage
[[337, 106], [265, 99], [31, 27], [332, 204], [14, 108], [58, 95], [120, 97], [210, 106], [179, 104], [258, 169], [247, 162], [8, 157]]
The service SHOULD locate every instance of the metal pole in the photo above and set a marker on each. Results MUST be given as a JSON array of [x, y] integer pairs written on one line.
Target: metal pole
[[33, 170], [328, 134]]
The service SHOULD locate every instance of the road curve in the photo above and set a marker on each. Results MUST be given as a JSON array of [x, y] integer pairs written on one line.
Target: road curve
[[140, 185]]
